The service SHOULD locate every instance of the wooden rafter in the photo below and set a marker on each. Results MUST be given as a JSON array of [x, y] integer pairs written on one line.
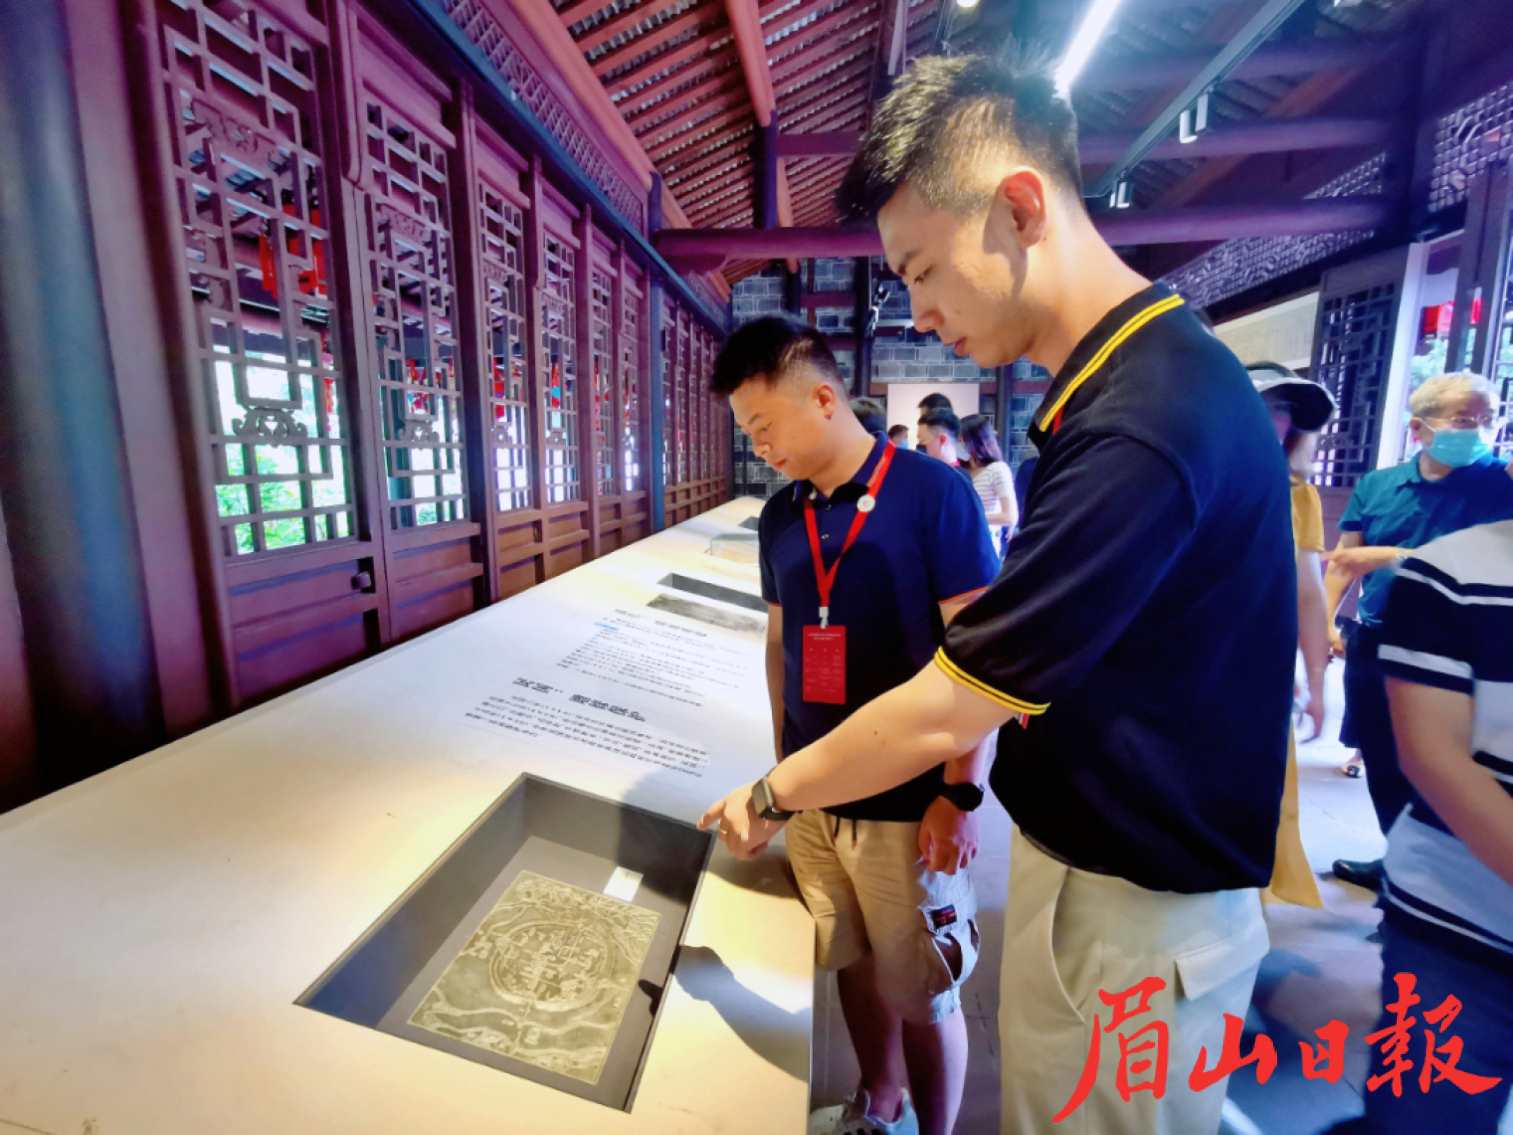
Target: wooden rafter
[[690, 135], [807, 36], [776, 25], [700, 100], [818, 99], [650, 96], [846, 70], [674, 173], [836, 45], [666, 61], [703, 16], [818, 116], [617, 24]]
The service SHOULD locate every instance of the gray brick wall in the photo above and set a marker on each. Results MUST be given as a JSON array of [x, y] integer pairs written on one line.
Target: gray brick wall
[[758, 295]]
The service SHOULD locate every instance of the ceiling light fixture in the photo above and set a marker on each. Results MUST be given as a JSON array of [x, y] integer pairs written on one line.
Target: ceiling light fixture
[[1086, 39], [967, 4]]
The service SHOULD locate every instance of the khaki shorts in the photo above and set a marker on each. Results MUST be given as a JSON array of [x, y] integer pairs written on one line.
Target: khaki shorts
[[870, 893]]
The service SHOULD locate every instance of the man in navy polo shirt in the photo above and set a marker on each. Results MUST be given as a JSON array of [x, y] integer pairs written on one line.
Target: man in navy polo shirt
[[865, 559], [1137, 646]]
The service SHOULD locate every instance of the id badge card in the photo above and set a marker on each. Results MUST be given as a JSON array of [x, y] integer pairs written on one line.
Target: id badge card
[[825, 665]]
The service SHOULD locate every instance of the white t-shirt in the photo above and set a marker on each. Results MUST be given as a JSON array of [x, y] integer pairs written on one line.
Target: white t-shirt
[[993, 481]]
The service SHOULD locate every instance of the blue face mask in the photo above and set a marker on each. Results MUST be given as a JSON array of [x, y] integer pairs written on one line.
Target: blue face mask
[[1459, 448]]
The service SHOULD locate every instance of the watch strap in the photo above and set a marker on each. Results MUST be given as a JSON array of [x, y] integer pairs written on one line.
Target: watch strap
[[766, 803]]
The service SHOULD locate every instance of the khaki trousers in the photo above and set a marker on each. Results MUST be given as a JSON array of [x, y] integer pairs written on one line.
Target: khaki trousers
[[1070, 933]]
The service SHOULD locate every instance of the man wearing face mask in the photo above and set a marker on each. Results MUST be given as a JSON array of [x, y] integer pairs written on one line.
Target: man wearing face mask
[[1454, 482]]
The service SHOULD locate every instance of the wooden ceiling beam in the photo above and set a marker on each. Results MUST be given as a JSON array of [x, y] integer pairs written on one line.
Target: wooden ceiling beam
[[776, 25], [810, 35], [563, 55], [1309, 95], [848, 69], [697, 164], [621, 22], [839, 81], [703, 16], [699, 100], [690, 135], [648, 98], [837, 34], [728, 181], [705, 45], [814, 117]]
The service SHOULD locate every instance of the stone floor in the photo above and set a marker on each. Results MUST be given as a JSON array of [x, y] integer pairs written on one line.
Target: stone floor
[[1321, 967]]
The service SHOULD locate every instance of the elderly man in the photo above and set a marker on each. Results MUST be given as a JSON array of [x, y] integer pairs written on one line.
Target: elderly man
[[1136, 648], [1454, 482]]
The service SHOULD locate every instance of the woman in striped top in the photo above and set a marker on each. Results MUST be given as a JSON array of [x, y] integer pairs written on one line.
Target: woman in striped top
[[991, 478]]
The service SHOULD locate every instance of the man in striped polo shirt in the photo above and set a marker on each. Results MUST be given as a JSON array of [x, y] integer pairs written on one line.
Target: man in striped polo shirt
[[1447, 650]]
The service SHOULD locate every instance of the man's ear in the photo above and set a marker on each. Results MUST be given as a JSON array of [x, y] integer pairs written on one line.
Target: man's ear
[[827, 397], [1017, 213]]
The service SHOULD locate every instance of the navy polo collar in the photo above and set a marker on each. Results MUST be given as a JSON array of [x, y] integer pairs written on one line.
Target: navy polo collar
[[852, 490]]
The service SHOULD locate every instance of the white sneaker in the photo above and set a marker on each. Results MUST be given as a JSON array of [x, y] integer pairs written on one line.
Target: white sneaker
[[852, 1118]]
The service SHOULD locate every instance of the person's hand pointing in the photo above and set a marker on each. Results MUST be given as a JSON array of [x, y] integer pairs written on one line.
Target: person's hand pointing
[[735, 820]]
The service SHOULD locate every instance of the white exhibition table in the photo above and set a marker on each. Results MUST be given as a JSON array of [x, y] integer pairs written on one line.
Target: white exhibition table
[[158, 922]]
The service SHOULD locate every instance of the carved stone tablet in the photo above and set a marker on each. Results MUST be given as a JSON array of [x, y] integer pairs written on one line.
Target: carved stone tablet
[[545, 979]]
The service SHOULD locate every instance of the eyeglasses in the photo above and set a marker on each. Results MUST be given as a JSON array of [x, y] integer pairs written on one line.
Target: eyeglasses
[[1486, 421]]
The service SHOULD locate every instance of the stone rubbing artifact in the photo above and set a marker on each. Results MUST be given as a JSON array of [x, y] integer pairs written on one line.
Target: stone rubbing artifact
[[545, 979]]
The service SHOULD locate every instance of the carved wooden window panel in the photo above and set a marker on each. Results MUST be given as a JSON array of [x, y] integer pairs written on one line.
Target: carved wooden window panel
[[559, 369], [601, 337], [669, 365], [410, 281], [249, 183], [701, 400], [1353, 356], [630, 379], [502, 229]]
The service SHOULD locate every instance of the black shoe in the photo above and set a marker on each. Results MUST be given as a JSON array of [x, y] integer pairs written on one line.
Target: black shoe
[[1363, 873]]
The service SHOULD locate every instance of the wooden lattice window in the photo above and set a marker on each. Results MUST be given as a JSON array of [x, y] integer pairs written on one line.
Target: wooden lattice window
[[249, 183], [630, 389], [410, 279], [1353, 356], [601, 337], [680, 398], [502, 239], [559, 369]]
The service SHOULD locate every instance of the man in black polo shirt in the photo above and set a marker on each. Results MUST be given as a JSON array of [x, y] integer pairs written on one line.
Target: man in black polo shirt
[[864, 562], [1137, 646]]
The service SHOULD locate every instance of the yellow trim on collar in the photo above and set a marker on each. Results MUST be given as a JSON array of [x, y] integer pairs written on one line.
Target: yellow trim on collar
[[961, 677], [1135, 322]]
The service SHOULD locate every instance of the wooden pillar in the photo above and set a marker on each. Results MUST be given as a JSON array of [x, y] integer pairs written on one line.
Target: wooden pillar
[[861, 380], [656, 483], [1483, 270], [535, 241], [588, 387], [764, 163], [473, 345], [63, 470]]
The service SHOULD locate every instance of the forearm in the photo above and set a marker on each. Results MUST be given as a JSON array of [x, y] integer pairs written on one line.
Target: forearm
[[1313, 616], [972, 767], [775, 693], [1433, 730], [1335, 585], [1473, 805], [927, 721]]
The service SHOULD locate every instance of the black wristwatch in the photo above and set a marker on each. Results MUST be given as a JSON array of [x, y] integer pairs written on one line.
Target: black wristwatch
[[766, 806], [966, 797]]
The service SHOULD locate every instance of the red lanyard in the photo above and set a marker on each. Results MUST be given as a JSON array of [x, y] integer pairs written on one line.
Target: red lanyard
[[825, 580]]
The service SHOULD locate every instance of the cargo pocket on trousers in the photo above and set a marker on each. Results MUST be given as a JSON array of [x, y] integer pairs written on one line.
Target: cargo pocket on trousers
[[954, 947]]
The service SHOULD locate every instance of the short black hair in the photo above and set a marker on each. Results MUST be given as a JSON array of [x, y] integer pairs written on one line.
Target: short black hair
[[964, 108], [766, 350], [979, 439], [934, 402], [945, 421], [892, 430]]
